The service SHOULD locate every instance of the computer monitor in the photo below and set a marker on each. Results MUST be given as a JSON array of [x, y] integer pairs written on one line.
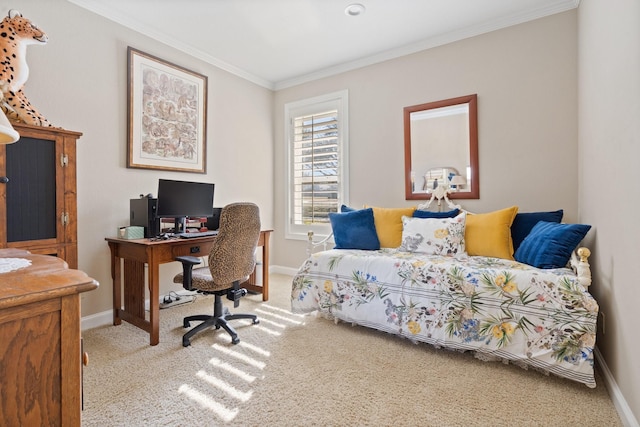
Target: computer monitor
[[182, 199]]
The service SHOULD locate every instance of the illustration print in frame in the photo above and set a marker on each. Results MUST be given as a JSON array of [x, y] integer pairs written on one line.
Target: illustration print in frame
[[167, 112]]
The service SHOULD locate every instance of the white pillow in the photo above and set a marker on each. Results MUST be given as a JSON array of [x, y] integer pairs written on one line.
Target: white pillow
[[434, 236]]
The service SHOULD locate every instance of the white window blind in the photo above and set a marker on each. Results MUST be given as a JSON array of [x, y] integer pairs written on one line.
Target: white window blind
[[317, 159], [316, 167]]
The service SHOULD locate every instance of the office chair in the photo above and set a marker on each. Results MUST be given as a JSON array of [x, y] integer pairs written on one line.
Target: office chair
[[231, 261]]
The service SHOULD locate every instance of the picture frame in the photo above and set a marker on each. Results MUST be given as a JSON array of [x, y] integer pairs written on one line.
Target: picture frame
[[167, 115]]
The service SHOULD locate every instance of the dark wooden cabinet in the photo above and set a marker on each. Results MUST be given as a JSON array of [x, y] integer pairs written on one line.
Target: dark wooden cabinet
[[40, 347], [38, 203]]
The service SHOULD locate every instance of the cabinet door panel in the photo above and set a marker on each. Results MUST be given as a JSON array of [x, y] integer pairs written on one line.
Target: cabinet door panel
[[31, 190]]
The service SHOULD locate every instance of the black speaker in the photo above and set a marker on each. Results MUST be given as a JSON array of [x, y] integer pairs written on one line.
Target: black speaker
[[213, 222], [143, 214]]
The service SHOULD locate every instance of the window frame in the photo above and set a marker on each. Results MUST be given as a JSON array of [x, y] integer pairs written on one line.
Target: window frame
[[336, 100]]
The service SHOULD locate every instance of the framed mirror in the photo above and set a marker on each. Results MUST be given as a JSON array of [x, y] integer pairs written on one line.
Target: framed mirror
[[441, 148]]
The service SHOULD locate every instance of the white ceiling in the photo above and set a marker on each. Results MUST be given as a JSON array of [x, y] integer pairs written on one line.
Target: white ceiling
[[280, 43]]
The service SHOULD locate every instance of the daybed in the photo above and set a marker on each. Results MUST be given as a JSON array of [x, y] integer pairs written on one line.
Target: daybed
[[452, 291]]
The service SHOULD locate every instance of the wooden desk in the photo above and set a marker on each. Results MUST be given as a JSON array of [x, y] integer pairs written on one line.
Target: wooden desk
[[128, 258], [40, 350]]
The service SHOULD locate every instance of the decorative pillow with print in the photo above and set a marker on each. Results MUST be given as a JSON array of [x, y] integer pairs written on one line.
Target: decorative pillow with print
[[434, 236]]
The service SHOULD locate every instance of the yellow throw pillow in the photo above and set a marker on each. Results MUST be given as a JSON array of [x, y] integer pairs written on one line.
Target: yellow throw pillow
[[489, 234], [388, 223]]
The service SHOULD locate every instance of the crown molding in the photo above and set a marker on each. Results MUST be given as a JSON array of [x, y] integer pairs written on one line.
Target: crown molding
[[464, 33], [430, 43], [139, 27]]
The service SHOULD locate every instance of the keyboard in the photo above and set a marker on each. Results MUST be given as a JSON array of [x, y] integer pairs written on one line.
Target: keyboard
[[197, 234]]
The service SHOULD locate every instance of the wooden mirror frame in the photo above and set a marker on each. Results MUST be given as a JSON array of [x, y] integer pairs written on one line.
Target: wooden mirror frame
[[474, 191]]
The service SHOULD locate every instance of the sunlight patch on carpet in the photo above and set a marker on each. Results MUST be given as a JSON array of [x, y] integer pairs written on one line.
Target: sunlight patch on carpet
[[232, 370], [272, 323], [268, 331], [225, 386], [207, 402], [261, 351], [279, 317], [239, 356], [281, 310]]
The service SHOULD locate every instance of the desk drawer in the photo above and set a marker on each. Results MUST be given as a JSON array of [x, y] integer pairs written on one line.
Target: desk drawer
[[197, 249]]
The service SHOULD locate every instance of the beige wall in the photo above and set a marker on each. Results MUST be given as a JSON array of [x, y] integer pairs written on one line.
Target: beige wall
[[527, 120], [609, 135], [78, 81]]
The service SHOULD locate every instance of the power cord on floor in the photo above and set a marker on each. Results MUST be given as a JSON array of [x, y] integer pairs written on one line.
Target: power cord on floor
[[173, 296], [170, 299]]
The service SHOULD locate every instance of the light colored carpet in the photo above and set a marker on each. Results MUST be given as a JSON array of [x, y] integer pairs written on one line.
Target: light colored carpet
[[293, 370]]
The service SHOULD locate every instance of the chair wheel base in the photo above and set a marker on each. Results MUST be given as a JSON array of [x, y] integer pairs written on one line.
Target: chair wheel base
[[219, 320]]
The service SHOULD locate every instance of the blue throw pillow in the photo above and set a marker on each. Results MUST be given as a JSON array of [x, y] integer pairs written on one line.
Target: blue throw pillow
[[549, 245], [354, 230], [428, 214], [524, 222]]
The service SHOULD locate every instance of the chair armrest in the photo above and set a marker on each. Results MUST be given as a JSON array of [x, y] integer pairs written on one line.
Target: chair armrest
[[189, 260], [187, 267]]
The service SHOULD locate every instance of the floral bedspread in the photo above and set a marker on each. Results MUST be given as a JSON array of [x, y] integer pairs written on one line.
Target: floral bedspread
[[498, 308]]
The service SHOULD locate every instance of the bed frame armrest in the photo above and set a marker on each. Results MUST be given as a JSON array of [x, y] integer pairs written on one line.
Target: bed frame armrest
[[580, 264], [311, 245]]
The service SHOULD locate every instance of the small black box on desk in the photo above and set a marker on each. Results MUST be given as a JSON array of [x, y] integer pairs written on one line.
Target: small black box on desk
[[142, 213]]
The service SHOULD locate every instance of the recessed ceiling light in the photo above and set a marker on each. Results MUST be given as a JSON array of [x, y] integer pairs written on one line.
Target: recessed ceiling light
[[354, 9]]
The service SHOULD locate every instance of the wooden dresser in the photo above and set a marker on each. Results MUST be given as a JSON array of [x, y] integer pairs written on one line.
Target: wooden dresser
[[40, 349]]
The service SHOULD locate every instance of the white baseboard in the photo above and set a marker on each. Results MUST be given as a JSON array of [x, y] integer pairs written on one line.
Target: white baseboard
[[626, 415], [278, 269], [106, 317], [95, 320]]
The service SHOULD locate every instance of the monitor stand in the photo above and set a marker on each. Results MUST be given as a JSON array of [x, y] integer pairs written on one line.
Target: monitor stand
[[180, 225]]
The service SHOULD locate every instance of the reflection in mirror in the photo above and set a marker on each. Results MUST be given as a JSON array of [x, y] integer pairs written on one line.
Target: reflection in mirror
[[436, 177], [441, 148]]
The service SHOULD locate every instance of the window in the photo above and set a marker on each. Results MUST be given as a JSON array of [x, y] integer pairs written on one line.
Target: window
[[317, 135]]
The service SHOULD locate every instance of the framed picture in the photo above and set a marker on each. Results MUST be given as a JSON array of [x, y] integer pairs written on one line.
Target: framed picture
[[167, 115]]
